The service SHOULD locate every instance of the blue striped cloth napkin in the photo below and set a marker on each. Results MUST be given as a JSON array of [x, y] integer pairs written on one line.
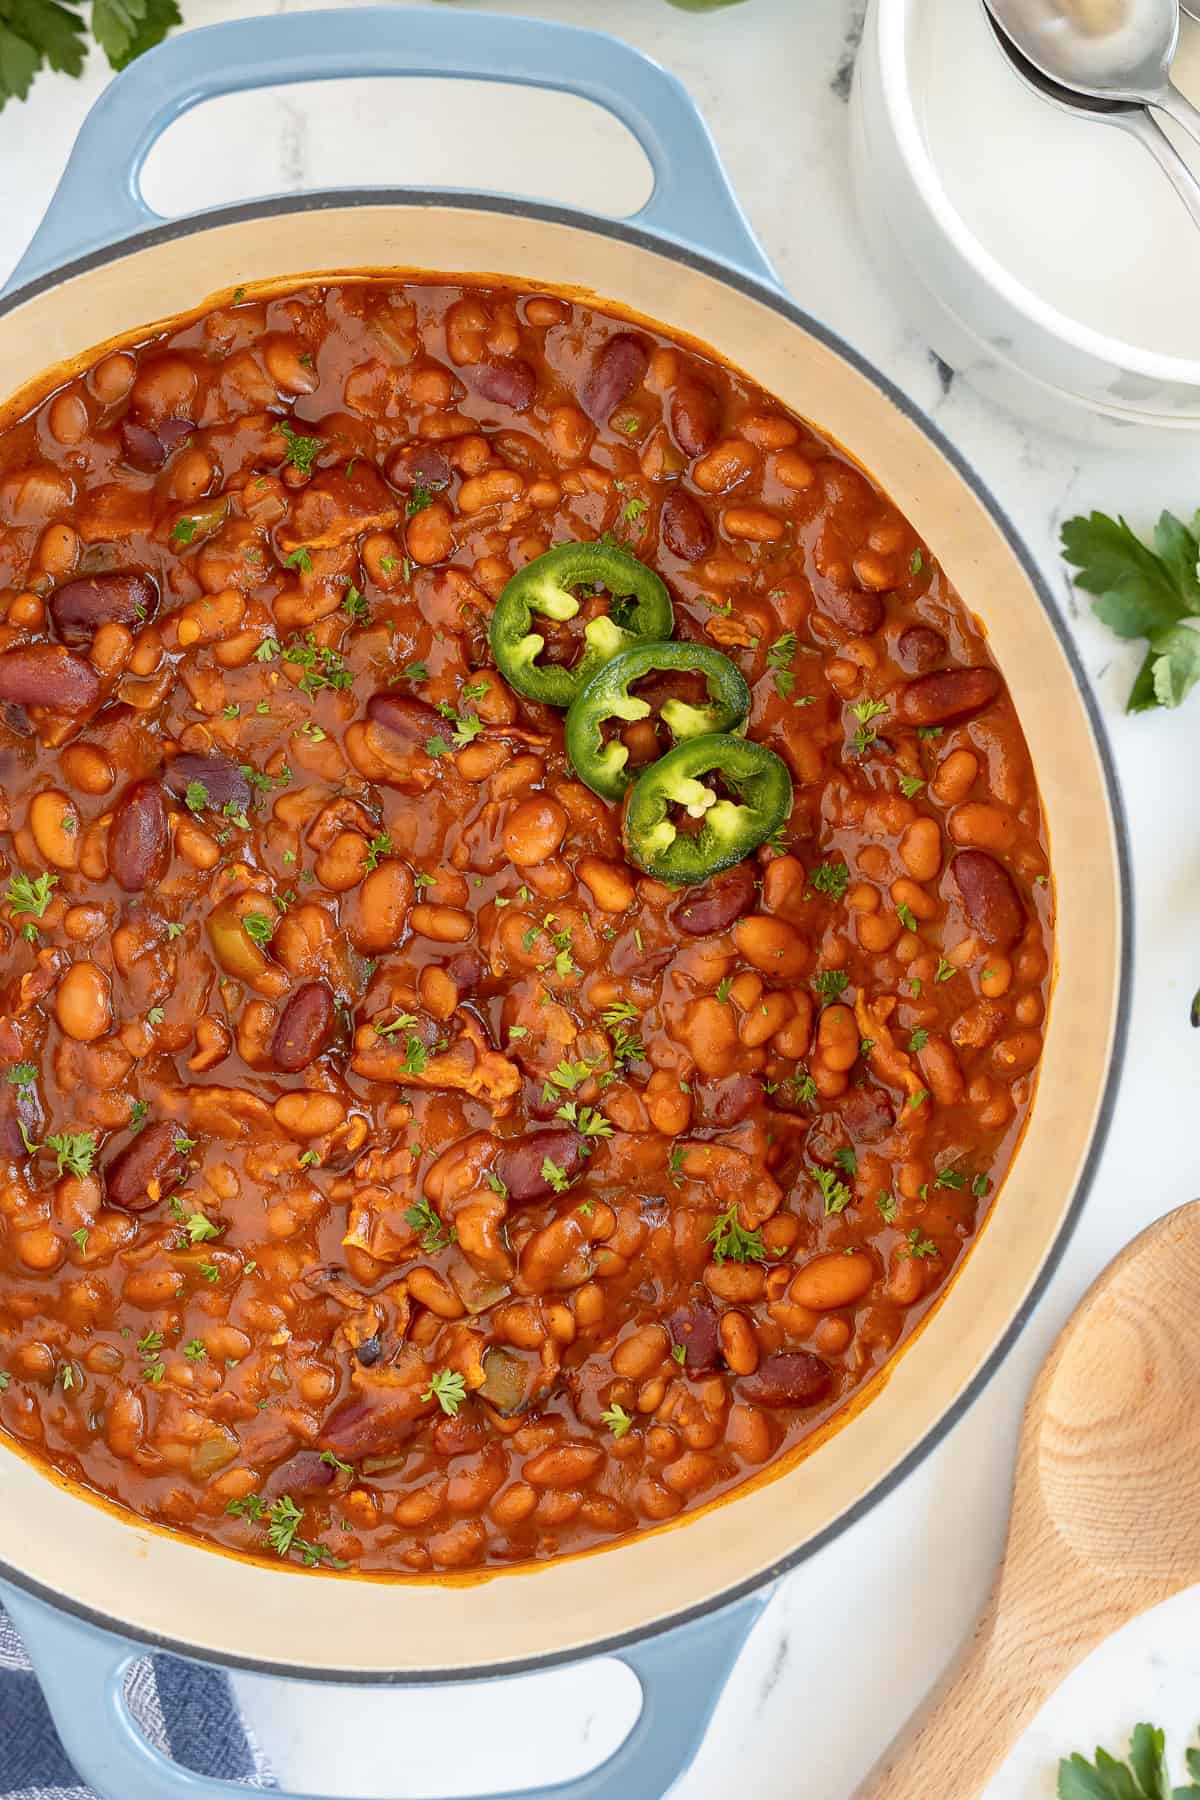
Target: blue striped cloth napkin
[[184, 1709]]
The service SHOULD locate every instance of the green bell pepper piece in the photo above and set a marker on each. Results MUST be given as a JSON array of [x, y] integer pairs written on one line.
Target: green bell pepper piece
[[729, 829], [640, 608], [604, 766]]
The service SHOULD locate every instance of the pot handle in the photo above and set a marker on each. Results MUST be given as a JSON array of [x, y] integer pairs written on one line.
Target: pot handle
[[82, 1670], [99, 200]]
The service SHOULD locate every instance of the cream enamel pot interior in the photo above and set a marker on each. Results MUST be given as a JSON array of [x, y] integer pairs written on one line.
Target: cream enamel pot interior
[[112, 1570]]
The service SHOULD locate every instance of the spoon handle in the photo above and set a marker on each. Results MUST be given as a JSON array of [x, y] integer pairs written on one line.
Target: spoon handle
[[1022, 1648], [1176, 105], [1142, 124]]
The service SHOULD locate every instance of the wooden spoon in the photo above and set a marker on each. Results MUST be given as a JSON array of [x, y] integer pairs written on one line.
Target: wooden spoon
[[1104, 1518]]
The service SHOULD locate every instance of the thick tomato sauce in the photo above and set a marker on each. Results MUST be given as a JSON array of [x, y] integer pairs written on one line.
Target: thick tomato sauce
[[392, 1177]]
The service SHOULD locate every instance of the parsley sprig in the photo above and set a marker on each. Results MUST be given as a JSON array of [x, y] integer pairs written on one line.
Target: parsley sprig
[[40, 33], [1144, 593], [1144, 1777]]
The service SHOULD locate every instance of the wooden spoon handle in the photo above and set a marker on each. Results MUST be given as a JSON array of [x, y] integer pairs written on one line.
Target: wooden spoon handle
[[957, 1740]]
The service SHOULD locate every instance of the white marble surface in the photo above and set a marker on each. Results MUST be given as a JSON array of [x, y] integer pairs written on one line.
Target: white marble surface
[[854, 1637]]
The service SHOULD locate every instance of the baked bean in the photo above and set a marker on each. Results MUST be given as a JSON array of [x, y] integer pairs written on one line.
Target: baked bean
[[920, 849], [54, 823], [83, 1002], [726, 466], [829, 1282], [739, 1346], [444, 924], [838, 1038], [954, 777], [637, 1355], [772, 945], [534, 831], [609, 885], [564, 1465]]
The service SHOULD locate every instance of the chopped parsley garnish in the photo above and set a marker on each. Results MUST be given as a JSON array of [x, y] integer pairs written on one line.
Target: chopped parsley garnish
[[323, 667], [354, 605], [402, 1022], [944, 970], [830, 878], [731, 1241], [906, 917], [916, 563], [917, 1245], [416, 671], [415, 1057], [26, 896], [302, 451], [80, 1238], [846, 1159], [723, 988], [558, 1178], [911, 785], [919, 1039], [779, 658], [137, 1116], [419, 499], [378, 846], [22, 1076], [448, 1388], [74, 1151], [949, 1178], [836, 1194], [423, 1219], [866, 712], [617, 1419], [260, 927], [183, 531], [201, 1230], [195, 1350], [888, 1206], [831, 982]]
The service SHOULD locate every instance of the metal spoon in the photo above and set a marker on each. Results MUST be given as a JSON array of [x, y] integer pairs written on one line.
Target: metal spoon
[[1126, 115], [1118, 50]]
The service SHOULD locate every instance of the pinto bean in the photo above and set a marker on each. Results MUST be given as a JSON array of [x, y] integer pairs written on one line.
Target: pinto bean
[[138, 1176], [950, 694], [685, 527], [618, 369], [47, 675], [78, 608], [383, 902], [789, 1378], [222, 780], [989, 896], [714, 906], [306, 1026], [519, 1162], [920, 648], [831, 1281], [139, 842]]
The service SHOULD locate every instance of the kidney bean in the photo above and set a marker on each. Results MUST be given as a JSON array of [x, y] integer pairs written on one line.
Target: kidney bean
[[920, 648], [716, 905], [409, 719], [306, 1026], [728, 1101], [695, 417], [78, 608], [374, 1423], [789, 1378], [950, 694], [139, 844], [618, 369], [695, 1327], [149, 450], [989, 896], [511, 383], [519, 1161], [685, 527], [149, 1166], [466, 970], [304, 1474], [417, 465], [47, 675], [855, 610], [221, 780]]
